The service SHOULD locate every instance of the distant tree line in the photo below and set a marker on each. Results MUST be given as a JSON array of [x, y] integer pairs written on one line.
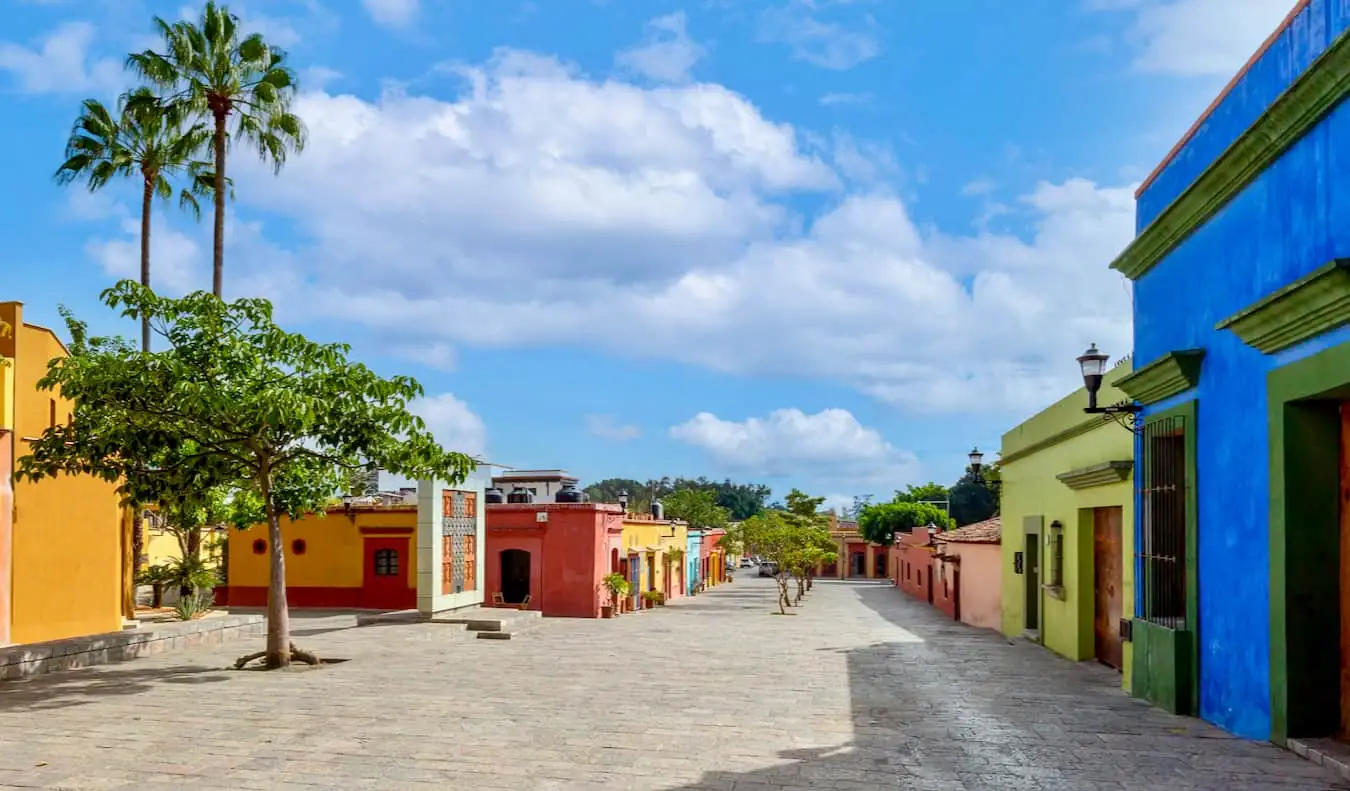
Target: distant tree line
[[739, 500], [973, 498]]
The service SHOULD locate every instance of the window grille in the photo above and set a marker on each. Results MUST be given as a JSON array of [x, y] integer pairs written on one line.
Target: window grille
[[386, 562], [1161, 556], [1055, 578]]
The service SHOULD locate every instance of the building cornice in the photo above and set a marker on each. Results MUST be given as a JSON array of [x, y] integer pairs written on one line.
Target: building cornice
[[1097, 474], [1324, 84], [1306, 308], [1172, 373]]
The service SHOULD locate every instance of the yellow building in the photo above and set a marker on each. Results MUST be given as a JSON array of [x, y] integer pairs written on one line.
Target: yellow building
[[655, 542], [1068, 539], [362, 557], [65, 546]]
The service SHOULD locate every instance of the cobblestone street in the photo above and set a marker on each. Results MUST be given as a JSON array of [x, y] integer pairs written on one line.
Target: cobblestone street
[[863, 689]]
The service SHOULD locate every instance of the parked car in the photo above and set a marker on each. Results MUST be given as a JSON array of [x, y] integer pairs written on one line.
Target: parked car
[[768, 569], [746, 563]]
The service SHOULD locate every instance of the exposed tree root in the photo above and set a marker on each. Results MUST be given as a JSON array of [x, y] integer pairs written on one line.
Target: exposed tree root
[[297, 655]]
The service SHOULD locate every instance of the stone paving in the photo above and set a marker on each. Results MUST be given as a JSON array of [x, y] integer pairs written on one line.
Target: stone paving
[[863, 689]]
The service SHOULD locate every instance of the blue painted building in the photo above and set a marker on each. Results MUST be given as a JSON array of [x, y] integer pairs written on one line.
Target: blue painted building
[[1242, 359], [692, 554]]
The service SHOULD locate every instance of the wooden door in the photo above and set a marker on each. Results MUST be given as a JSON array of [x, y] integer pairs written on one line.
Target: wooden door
[[1106, 585], [384, 583], [1345, 570]]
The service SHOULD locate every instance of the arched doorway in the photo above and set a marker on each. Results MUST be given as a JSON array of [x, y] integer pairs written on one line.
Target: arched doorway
[[515, 575]]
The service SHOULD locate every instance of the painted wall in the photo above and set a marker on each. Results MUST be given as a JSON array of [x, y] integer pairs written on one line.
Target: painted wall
[[981, 583], [1060, 439], [66, 540], [571, 550], [694, 559], [914, 563], [435, 520], [1310, 30], [641, 533], [6, 489], [1294, 218], [330, 572]]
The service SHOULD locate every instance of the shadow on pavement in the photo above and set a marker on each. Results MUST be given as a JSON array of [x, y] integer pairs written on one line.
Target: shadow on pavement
[[67, 688], [955, 708]]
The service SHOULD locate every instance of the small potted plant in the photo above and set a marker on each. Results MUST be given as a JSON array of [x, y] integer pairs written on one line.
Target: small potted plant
[[618, 590], [649, 599], [660, 598]]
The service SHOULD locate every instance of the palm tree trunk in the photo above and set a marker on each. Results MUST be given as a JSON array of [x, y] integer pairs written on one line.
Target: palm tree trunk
[[218, 245], [147, 198]]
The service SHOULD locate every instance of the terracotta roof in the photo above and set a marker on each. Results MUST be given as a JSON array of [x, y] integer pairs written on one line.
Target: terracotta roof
[[990, 531]]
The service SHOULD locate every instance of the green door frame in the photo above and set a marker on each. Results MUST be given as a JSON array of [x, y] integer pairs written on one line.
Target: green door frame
[[1166, 666], [1302, 398]]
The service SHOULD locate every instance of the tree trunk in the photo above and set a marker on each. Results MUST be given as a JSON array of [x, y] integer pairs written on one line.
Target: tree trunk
[[218, 244], [147, 198], [278, 615]]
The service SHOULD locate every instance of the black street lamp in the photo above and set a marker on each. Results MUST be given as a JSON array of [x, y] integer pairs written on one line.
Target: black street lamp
[[975, 458], [1093, 365], [623, 500]]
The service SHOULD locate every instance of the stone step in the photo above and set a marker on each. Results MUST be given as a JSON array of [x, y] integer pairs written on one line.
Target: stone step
[[494, 635]]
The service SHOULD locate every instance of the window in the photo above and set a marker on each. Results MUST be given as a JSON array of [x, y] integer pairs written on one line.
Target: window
[[1161, 556], [260, 546], [447, 565], [298, 546], [51, 413], [1054, 548], [386, 562]]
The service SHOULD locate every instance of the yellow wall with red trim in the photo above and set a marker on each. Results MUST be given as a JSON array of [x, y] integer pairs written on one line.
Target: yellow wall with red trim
[[334, 547], [67, 530]]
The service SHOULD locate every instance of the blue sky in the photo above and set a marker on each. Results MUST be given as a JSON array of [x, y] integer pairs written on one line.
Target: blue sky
[[817, 243]]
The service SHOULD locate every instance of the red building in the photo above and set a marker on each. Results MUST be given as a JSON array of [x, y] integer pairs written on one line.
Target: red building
[[912, 564], [554, 553]]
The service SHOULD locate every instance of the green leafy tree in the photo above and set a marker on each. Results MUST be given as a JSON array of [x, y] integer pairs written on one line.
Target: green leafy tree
[[211, 73], [608, 491], [880, 522], [698, 507], [931, 493], [142, 140], [975, 498], [234, 401]]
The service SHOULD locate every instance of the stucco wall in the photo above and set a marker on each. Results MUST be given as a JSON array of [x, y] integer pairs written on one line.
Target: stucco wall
[[331, 571], [6, 489], [1294, 218], [66, 542], [572, 553], [1059, 440], [981, 583]]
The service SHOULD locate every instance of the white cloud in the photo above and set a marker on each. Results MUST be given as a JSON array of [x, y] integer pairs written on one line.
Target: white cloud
[[831, 99], [542, 207], [454, 425], [667, 54], [1197, 38], [979, 187], [318, 78], [392, 13], [830, 444], [829, 45], [606, 427], [60, 62]]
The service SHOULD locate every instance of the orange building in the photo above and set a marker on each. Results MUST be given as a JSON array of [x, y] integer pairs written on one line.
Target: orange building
[[64, 541]]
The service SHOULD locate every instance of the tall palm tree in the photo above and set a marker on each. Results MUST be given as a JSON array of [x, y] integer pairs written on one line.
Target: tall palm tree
[[213, 74], [142, 140]]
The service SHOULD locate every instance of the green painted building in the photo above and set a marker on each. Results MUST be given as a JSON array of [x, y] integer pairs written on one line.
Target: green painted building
[[1067, 506]]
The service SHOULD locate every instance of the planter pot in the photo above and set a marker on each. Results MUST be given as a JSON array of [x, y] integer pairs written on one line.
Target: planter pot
[[647, 604], [606, 611]]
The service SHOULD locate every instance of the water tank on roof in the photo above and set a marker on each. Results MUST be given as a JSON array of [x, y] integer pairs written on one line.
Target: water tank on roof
[[569, 494], [494, 495], [658, 510], [520, 495]]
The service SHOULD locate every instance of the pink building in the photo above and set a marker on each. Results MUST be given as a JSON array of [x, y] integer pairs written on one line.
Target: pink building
[[968, 563]]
